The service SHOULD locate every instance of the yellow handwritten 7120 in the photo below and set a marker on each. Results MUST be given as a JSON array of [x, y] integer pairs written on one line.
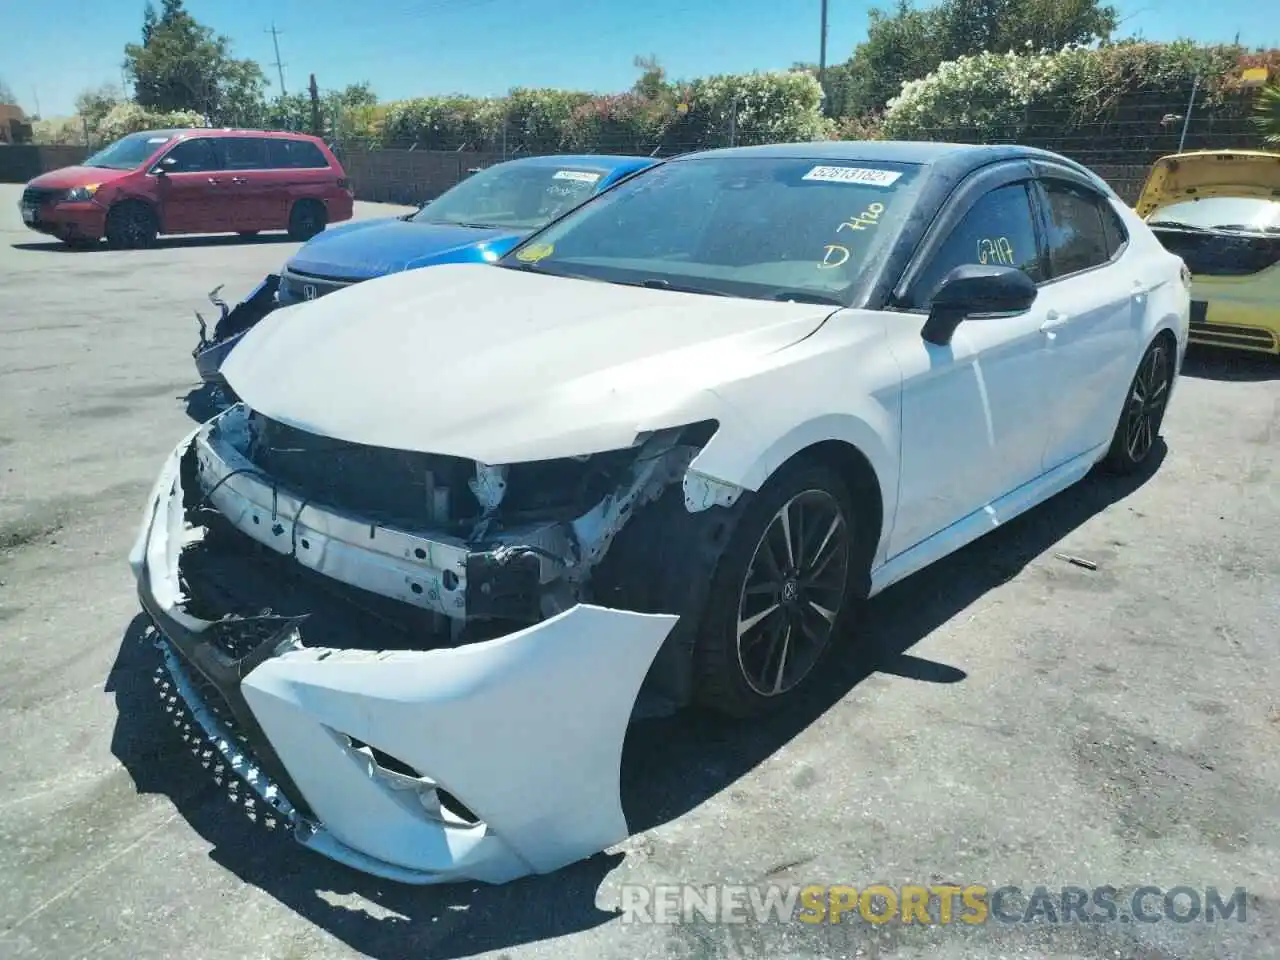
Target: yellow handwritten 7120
[[867, 219]]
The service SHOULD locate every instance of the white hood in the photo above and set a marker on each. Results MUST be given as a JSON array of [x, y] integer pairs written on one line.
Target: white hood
[[502, 365]]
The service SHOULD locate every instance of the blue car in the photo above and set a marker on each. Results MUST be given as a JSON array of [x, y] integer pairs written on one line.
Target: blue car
[[475, 221]]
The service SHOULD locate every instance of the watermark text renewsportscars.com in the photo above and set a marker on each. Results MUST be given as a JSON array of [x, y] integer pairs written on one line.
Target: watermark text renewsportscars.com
[[935, 904]]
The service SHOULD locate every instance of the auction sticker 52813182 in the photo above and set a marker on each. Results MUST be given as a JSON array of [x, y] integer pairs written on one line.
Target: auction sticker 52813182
[[860, 175]]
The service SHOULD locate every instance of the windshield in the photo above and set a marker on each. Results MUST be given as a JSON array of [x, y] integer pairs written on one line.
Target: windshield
[[128, 153], [766, 228], [516, 196], [1237, 213]]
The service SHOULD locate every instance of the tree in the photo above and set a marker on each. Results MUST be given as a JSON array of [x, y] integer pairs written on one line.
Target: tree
[[95, 103], [182, 64], [1266, 115], [907, 43], [652, 84], [6, 93]]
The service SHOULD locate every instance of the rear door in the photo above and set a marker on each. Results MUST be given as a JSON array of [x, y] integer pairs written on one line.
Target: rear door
[[1096, 302], [255, 199], [298, 170], [192, 191]]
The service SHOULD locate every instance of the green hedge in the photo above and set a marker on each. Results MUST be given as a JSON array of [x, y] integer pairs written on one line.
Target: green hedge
[[709, 112]]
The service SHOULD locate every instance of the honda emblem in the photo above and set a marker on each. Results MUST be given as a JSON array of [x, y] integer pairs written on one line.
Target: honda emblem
[[308, 291]]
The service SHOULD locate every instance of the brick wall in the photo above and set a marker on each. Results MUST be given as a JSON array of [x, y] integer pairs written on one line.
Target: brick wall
[[411, 176]]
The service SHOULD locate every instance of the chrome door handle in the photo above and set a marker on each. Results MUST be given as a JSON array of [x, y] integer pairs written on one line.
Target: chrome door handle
[[239, 179], [214, 180]]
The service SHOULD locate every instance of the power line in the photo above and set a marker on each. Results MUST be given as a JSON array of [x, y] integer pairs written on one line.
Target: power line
[[275, 40]]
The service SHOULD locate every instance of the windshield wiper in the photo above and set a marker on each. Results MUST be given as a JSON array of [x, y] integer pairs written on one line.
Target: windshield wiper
[[808, 296], [1178, 225], [656, 283]]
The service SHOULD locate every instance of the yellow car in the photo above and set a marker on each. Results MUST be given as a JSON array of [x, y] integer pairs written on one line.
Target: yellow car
[[1220, 211]]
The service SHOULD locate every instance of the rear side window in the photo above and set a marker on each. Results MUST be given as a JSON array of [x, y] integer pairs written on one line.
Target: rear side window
[[998, 230], [244, 153], [295, 154], [1080, 236], [1117, 235]]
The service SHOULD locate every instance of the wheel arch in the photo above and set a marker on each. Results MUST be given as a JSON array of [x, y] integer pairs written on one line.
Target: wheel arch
[[861, 449]]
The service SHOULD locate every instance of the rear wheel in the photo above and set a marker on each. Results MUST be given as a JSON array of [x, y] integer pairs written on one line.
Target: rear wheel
[[781, 595], [1144, 409], [131, 225], [306, 219]]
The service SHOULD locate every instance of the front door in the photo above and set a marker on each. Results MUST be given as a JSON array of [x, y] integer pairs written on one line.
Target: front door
[[971, 426], [192, 190]]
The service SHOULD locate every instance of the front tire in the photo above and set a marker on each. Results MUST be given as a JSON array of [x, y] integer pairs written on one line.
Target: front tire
[[1144, 409], [131, 225], [780, 597]]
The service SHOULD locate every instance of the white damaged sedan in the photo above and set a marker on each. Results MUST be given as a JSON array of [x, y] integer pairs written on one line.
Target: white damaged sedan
[[409, 593]]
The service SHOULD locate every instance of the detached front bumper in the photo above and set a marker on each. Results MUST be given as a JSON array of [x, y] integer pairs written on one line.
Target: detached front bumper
[[487, 761]]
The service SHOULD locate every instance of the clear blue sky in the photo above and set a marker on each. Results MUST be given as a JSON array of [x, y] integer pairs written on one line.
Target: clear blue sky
[[56, 48]]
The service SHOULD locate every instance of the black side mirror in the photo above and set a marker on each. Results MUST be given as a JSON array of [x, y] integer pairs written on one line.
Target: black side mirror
[[974, 289]]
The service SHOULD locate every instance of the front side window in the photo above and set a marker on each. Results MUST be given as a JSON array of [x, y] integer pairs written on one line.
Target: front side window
[[128, 153], [998, 230], [1078, 234], [518, 197], [759, 227], [191, 156]]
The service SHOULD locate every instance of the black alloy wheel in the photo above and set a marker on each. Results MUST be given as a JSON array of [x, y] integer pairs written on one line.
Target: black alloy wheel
[[793, 593], [1144, 409]]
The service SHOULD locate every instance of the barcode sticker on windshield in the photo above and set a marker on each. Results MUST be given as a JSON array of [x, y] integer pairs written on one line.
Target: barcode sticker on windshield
[[859, 175], [582, 176]]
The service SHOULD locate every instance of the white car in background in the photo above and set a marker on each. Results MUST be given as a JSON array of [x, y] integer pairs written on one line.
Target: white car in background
[[408, 592]]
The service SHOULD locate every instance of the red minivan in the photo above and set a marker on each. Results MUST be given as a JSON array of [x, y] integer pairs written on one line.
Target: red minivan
[[191, 181]]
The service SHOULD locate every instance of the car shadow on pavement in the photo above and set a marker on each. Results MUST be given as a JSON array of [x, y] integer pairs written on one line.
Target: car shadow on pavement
[[670, 766], [1221, 363], [163, 243]]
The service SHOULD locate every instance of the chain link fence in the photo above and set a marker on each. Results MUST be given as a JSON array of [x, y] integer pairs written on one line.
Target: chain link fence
[[1121, 148]]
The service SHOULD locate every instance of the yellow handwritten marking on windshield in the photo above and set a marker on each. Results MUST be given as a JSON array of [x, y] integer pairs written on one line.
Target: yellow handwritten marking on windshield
[[539, 251], [834, 250], [996, 250], [867, 219]]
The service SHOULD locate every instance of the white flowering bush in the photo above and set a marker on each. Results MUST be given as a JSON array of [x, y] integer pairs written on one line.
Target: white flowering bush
[[128, 117], [778, 107], [991, 96]]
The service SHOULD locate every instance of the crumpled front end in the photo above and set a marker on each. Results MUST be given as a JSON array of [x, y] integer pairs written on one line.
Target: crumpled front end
[[432, 694], [232, 325]]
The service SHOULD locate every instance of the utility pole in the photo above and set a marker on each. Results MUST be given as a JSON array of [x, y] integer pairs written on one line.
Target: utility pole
[[275, 40], [36, 93], [822, 48], [315, 108]]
